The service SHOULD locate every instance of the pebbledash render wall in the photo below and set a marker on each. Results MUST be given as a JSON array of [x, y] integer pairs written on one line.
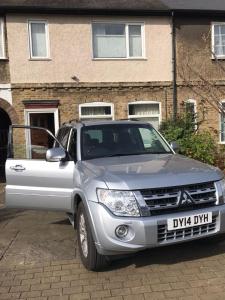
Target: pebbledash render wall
[[70, 39]]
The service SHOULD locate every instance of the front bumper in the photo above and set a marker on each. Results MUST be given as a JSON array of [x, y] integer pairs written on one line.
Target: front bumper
[[143, 231]]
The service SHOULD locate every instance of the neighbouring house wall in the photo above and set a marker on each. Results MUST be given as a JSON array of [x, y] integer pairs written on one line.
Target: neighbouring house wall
[[71, 52], [194, 49], [200, 76]]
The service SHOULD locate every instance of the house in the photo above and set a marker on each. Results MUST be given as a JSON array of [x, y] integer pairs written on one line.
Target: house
[[67, 60]]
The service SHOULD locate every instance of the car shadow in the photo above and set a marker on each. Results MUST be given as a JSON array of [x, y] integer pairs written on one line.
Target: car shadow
[[62, 222], [169, 255], [8, 214]]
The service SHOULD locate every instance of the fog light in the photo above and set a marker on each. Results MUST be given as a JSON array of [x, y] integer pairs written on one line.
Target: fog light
[[121, 231]]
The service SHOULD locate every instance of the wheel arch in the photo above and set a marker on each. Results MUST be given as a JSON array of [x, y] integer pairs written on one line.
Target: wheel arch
[[80, 197]]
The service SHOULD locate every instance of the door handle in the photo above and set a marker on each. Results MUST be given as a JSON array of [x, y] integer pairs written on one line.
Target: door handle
[[17, 168]]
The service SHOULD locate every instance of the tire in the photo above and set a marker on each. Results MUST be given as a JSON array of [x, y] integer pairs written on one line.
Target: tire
[[90, 258]]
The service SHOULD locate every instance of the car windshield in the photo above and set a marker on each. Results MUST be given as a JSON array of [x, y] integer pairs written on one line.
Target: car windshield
[[110, 140]]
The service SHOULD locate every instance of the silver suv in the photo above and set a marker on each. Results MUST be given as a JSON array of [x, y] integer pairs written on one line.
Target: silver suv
[[122, 185]]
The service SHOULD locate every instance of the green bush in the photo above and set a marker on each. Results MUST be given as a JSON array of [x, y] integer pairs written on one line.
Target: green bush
[[200, 146], [197, 145]]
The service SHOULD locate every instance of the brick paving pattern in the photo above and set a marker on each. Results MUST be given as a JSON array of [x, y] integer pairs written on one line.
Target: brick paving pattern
[[38, 261]]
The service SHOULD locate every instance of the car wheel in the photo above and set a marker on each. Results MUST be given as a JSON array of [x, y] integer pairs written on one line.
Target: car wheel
[[90, 258]]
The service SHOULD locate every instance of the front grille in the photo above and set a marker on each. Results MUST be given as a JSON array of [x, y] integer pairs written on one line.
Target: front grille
[[165, 235], [166, 200]]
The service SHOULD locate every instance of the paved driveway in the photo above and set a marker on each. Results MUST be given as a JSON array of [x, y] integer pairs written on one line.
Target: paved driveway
[[38, 260]]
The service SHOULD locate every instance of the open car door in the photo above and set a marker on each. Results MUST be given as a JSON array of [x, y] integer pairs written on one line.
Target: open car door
[[38, 173]]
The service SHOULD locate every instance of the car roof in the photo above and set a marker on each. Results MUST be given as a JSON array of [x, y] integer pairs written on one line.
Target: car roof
[[104, 122]]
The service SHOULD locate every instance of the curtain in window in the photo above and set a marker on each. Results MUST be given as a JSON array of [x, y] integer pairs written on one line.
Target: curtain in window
[[135, 41], [144, 109], [219, 40], [38, 40], [1, 39], [109, 40], [95, 110]]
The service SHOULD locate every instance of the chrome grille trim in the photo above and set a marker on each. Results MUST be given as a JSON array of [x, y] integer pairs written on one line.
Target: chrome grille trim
[[164, 235], [167, 198]]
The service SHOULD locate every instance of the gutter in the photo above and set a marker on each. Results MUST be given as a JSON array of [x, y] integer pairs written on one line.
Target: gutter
[[174, 66]]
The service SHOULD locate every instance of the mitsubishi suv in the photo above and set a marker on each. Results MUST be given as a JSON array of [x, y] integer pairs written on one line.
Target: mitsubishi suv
[[122, 185]]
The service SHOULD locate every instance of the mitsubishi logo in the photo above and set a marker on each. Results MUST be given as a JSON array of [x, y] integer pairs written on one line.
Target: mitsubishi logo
[[184, 198]]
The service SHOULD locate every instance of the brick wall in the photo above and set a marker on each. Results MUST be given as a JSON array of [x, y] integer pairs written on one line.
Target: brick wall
[[70, 96]]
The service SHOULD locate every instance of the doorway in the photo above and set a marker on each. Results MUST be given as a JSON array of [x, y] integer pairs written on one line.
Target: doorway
[[5, 122]]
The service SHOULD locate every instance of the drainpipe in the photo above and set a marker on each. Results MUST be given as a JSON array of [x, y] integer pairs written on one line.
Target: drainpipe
[[174, 67]]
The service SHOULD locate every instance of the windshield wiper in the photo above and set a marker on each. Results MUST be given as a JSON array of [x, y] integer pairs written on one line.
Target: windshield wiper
[[119, 154], [139, 153], [126, 154]]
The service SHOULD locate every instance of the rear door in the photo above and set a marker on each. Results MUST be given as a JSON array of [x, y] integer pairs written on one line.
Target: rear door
[[31, 181]]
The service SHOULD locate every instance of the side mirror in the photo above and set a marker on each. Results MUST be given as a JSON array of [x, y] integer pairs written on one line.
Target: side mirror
[[174, 146], [55, 154]]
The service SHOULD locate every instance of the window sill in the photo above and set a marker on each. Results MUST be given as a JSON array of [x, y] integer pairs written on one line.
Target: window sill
[[40, 59], [218, 58], [4, 59], [119, 59]]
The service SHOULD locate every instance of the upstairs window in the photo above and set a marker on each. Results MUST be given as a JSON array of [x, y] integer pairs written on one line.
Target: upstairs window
[[96, 110], [218, 40], [2, 39], [117, 40], [38, 34], [145, 111]]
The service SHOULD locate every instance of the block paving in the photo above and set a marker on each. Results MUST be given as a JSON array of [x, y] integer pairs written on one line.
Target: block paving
[[38, 260]]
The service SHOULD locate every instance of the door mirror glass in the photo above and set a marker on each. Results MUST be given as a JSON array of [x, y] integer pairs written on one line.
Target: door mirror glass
[[55, 154], [174, 146]]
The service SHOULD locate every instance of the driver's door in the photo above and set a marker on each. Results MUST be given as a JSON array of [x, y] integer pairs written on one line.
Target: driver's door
[[31, 181]]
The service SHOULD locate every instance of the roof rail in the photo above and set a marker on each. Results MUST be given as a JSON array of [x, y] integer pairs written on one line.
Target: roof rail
[[134, 119]]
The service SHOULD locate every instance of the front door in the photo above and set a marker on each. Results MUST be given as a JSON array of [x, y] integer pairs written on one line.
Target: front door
[[31, 181]]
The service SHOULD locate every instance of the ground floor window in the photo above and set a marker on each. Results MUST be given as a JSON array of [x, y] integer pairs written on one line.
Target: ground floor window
[[146, 111], [222, 124], [96, 110], [191, 109]]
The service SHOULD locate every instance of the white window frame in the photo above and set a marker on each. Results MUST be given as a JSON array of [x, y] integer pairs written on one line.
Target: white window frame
[[142, 24], [47, 57], [29, 111], [159, 115], [195, 109], [2, 37], [96, 104], [220, 122], [214, 56]]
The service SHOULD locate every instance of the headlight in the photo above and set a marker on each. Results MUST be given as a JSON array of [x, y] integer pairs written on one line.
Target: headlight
[[120, 203]]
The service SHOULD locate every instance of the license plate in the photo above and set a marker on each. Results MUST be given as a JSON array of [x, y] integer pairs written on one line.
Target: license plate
[[189, 221]]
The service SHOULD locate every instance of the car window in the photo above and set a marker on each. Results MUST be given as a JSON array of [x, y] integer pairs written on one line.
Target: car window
[[121, 139], [63, 136], [72, 149]]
